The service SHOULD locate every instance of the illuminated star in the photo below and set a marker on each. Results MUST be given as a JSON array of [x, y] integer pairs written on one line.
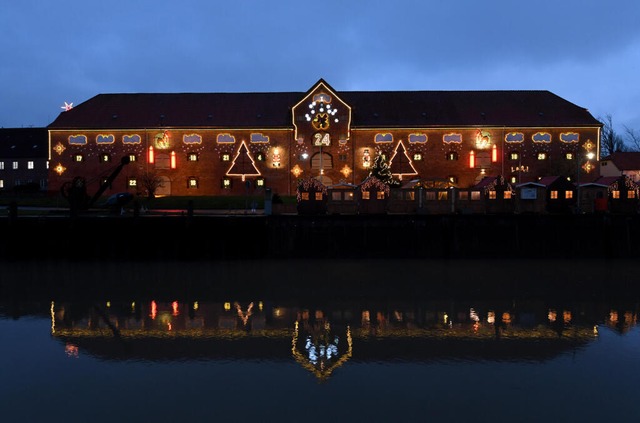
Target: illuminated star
[[67, 106]]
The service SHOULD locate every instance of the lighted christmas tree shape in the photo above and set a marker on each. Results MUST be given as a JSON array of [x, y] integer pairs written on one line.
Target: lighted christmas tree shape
[[401, 163], [243, 165], [381, 171]]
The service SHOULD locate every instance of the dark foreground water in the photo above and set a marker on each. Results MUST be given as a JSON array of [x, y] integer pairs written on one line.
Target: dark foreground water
[[320, 341]]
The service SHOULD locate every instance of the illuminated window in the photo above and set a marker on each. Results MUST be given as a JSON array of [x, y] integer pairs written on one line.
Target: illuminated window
[[15, 165], [492, 195], [430, 195], [463, 195], [192, 157], [192, 182], [554, 195], [631, 194], [615, 194], [1, 183], [336, 196], [475, 195], [105, 158], [452, 156], [318, 196], [226, 183], [568, 194], [507, 195], [1, 165], [30, 164], [304, 196], [542, 156], [260, 182], [132, 182], [226, 157], [410, 195], [380, 195], [417, 157], [443, 195], [365, 195], [514, 156]]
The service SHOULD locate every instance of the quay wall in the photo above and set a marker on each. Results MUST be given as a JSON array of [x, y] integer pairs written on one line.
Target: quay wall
[[205, 237]]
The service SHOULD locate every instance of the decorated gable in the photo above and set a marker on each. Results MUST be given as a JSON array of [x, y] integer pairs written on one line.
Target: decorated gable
[[321, 118]]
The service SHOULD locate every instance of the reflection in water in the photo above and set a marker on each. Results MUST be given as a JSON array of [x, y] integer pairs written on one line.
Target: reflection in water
[[372, 340], [323, 338]]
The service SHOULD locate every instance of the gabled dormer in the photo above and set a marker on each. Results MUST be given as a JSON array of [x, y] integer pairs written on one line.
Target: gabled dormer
[[321, 118]]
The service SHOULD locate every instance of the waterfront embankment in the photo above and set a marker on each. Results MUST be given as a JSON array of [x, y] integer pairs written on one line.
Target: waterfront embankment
[[257, 236]]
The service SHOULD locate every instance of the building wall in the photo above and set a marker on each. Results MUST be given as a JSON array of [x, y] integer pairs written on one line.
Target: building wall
[[274, 160], [324, 142], [23, 159]]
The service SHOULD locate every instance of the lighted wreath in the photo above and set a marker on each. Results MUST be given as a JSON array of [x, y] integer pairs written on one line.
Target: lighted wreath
[[310, 184], [374, 184]]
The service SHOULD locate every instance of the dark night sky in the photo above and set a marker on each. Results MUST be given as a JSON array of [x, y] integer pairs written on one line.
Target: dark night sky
[[585, 51]]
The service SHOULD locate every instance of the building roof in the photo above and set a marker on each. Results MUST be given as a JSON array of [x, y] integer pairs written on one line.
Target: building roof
[[546, 181], [24, 143], [607, 181], [625, 160], [370, 109]]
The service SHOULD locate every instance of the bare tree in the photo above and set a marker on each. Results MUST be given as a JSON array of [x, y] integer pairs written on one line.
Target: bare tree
[[633, 139], [610, 141], [150, 181]]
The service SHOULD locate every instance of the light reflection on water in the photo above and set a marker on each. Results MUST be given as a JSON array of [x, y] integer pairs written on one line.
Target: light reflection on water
[[325, 341]]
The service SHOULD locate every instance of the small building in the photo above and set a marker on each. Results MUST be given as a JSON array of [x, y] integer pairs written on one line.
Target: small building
[[405, 199], [497, 195], [622, 164], [341, 199], [373, 196], [615, 194], [552, 194], [311, 195]]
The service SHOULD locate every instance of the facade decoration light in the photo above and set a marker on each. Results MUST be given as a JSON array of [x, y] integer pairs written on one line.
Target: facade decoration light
[[59, 148], [366, 159], [173, 160], [472, 159], [151, 156], [297, 171], [59, 169], [67, 106], [494, 153], [321, 113], [346, 171], [276, 157]]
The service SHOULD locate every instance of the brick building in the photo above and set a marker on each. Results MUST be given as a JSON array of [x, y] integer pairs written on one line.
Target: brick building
[[235, 143]]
